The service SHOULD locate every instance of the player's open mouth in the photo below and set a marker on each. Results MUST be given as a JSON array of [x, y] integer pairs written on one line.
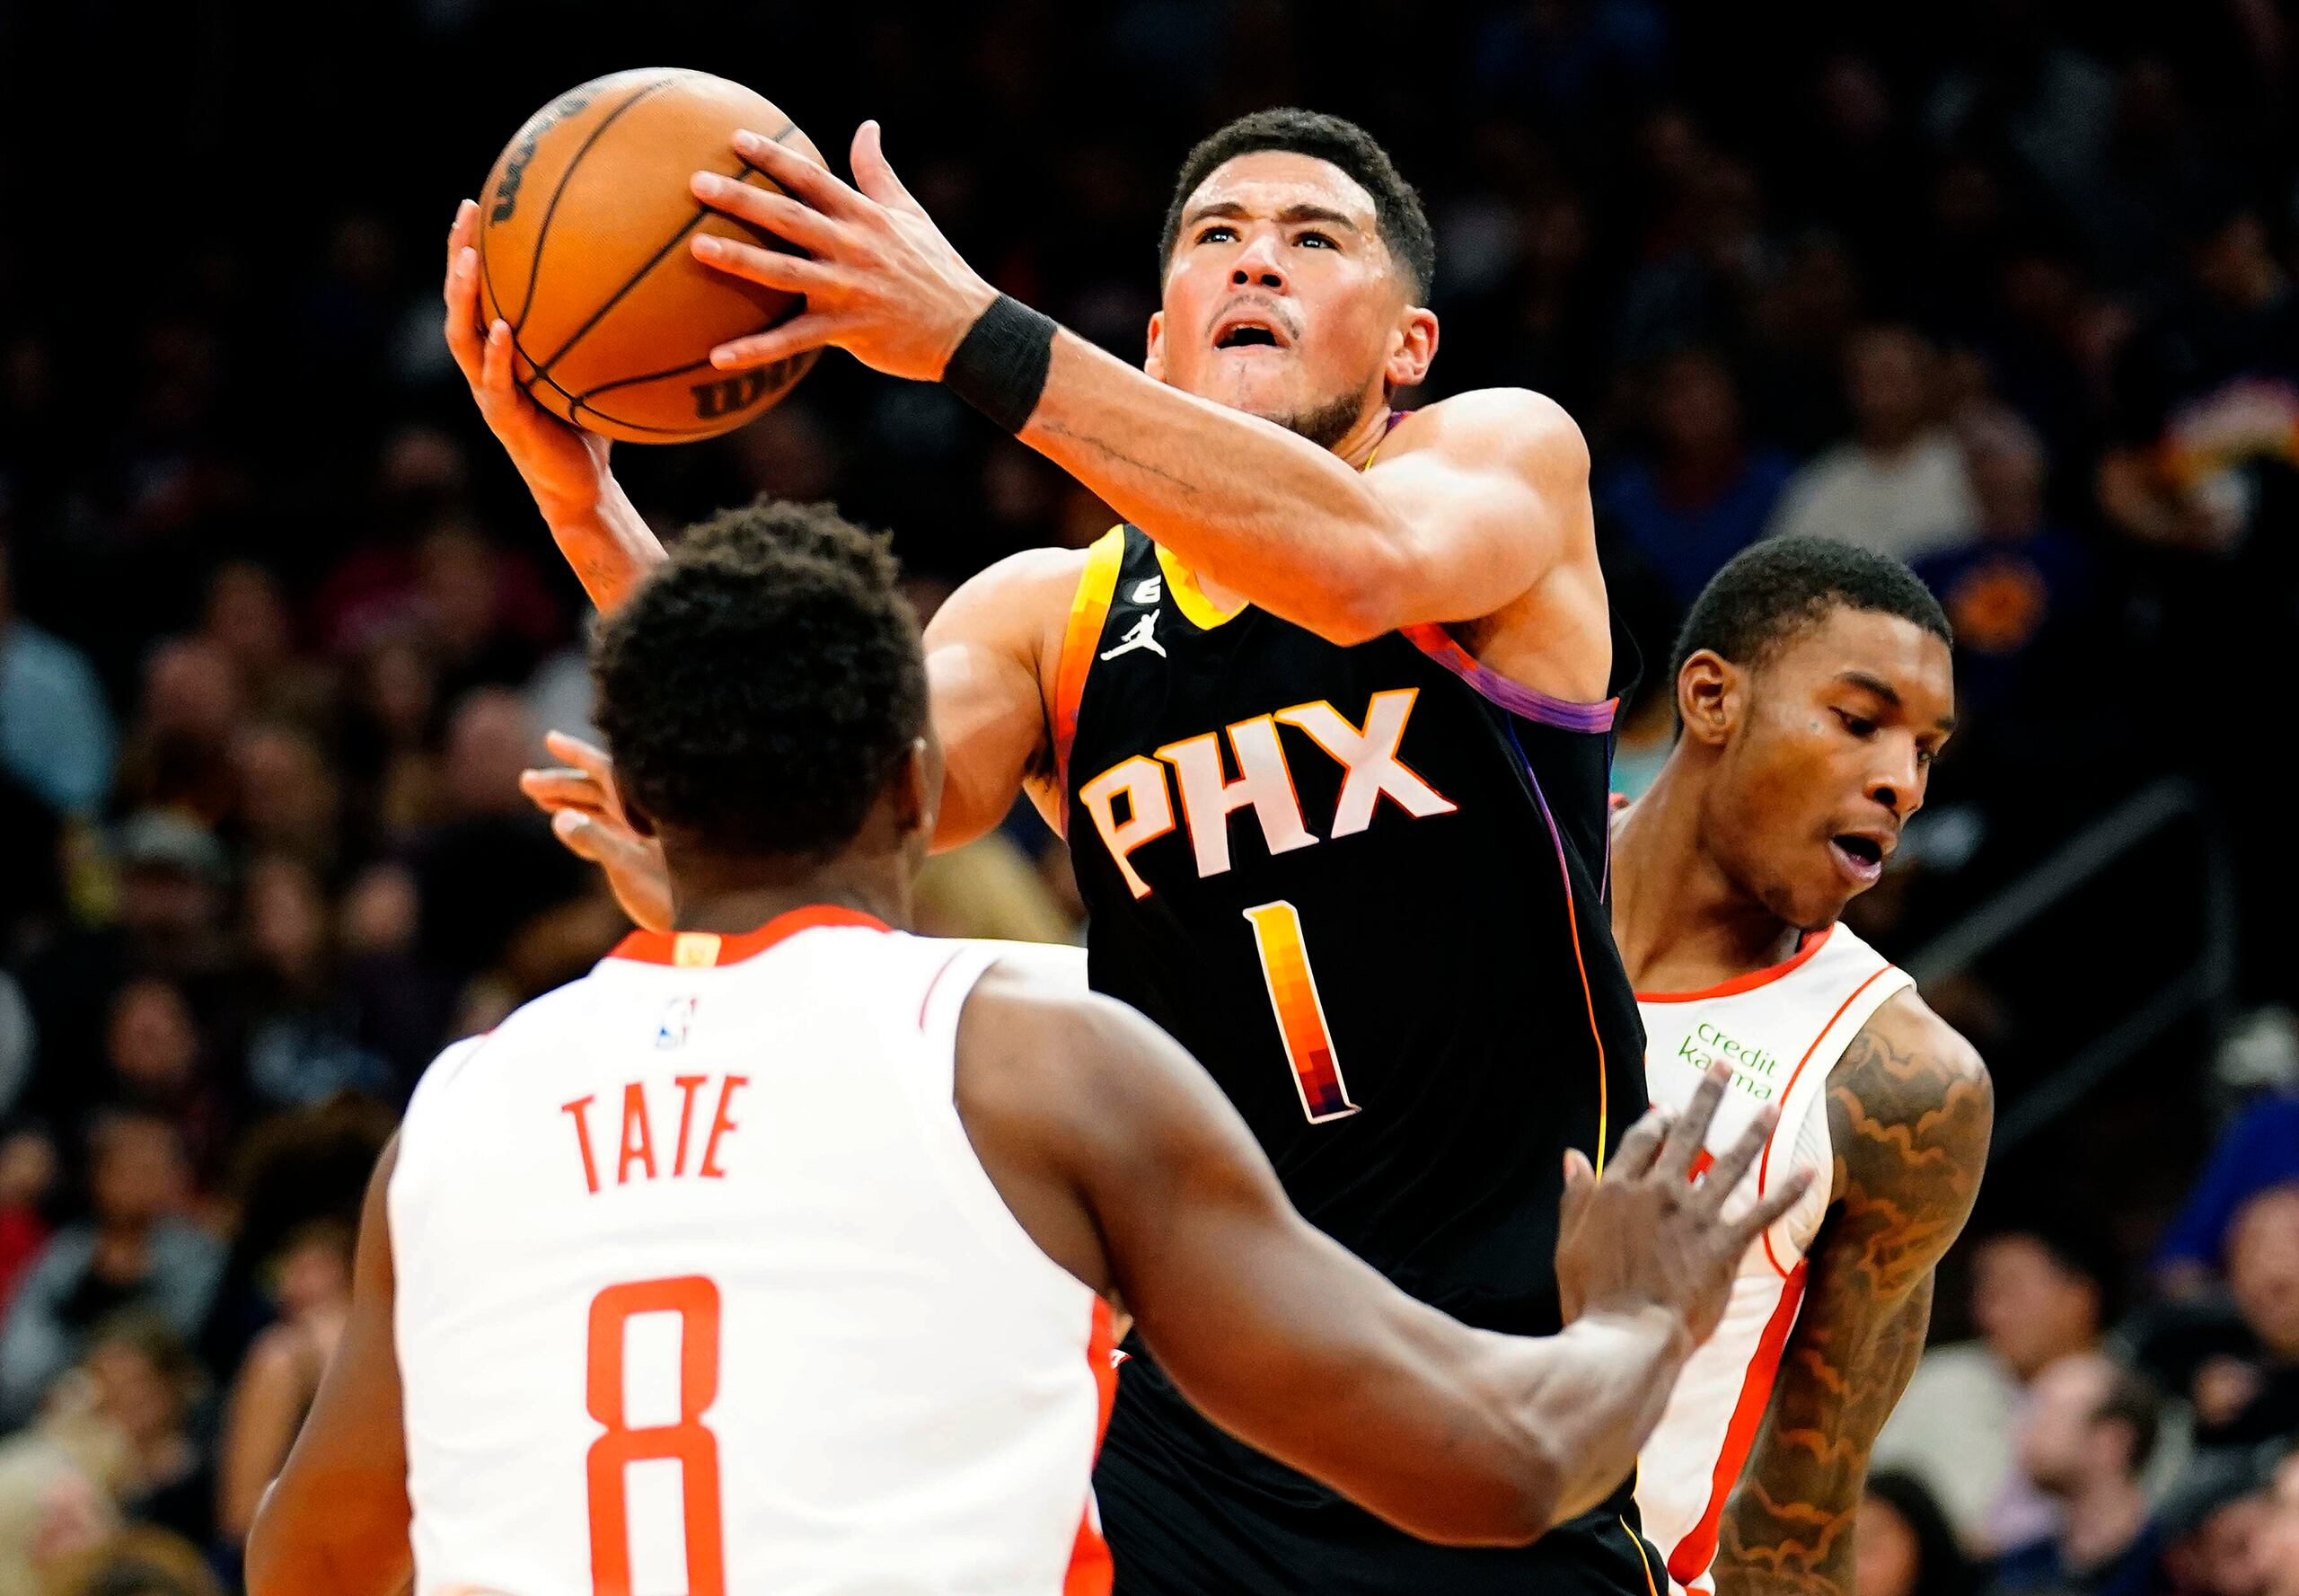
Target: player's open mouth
[[1246, 333], [1860, 857]]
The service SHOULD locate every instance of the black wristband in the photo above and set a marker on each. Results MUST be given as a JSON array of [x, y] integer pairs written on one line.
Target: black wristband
[[1000, 366]]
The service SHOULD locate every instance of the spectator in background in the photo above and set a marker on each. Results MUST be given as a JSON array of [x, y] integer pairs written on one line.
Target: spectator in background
[[2278, 1544], [55, 729], [304, 1023], [492, 867], [169, 922], [137, 1251], [1899, 484], [145, 1384], [2038, 1295], [2003, 592], [27, 1174], [178, 754], [2090, 1433], [246, 620], [1701, 493], [311, 1282], [2214, 1522], [2263, 1276], [1904, 1545], [2259, 1150]]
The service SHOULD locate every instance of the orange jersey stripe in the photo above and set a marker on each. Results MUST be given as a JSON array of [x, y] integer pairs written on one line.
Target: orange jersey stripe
[[1763, 1165], [1089, 1572], [1097, 587], [1697, 1550]]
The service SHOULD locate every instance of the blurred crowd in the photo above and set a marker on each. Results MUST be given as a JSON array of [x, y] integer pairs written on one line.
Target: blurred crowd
[[2002, 286]]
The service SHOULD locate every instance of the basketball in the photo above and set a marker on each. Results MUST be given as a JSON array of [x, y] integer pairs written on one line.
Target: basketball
[[582, 248]]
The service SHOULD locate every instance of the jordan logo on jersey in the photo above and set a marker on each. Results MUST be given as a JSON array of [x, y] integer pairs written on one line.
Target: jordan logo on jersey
[[1132, 802], [1143, 635]]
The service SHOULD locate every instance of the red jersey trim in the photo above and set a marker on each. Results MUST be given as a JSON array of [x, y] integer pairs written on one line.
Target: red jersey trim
[[1809, 946], [690, 950]]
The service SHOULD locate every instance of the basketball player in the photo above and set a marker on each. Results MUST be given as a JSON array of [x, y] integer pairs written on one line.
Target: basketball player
[[770, 1256], [1814, 687], [1324, 724]]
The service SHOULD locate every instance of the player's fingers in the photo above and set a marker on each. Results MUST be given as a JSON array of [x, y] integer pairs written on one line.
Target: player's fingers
[[497, 394], [1727, 1172], [1580, 1181], [1768, 1211], [1641, 1146], [1690, 1134], [463, 340], [459, 236], [589, 758], [814, 185], [873, 174], [770, 268], [551, 790], [581, 834], [778, 214], [794, 337]]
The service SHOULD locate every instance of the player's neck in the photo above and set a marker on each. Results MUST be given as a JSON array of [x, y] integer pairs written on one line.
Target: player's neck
[[1681, 923], [733, 896]]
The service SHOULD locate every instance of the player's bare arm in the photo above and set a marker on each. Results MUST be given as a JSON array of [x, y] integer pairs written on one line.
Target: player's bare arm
[[336, 1518], [1470, 504], [604, 538], [1909, 1110], [1118, 1153]]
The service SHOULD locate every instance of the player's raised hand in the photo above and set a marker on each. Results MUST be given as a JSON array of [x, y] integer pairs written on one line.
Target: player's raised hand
[[587, 818], [880, 280], [564, 467], [1645, 1235]]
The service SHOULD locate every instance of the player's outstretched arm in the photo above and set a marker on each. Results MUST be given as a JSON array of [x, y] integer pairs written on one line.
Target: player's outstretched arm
[[1472, 503], [1121, 1158], [336, 1518], [1909, 1111], [603, 536]]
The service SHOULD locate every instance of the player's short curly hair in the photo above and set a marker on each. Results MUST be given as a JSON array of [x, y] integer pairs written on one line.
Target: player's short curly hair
[[760, 689], [1397, 205], [1772, 591]]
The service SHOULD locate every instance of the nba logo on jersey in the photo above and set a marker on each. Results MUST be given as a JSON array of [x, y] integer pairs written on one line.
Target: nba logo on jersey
[[678, 1015]]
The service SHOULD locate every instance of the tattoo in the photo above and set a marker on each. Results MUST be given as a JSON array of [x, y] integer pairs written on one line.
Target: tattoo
[[1909, 1110]]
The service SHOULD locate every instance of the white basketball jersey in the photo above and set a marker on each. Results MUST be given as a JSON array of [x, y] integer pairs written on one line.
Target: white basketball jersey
[[701, 1289], [1782, 1030]]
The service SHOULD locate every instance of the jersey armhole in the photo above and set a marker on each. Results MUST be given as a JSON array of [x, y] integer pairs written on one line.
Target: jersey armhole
[[1089, 608], [973, 1194]]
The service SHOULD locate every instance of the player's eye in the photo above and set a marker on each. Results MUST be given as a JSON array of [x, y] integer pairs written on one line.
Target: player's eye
[[1319, 239], [1859, 726], [1925, 756], [1217, 235]]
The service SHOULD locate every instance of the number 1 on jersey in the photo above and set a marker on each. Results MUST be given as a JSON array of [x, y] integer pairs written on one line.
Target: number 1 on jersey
[[1301, 1012]]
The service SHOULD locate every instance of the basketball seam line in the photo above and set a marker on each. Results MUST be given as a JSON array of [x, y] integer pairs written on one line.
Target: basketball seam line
[[674, 432], [542, 233], [692, 222]]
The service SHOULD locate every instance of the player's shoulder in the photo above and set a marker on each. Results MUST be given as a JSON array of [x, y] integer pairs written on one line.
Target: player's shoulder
[[1498, 425], [1910, 1080], [538, 1026], [1029, 577]]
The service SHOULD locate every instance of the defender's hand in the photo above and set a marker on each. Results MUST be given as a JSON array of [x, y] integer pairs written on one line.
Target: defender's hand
[[564, 467], [1645, 1235], [880, 280], [587, 818]]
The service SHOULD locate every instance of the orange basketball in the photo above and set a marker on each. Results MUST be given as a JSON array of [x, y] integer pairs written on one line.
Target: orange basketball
[[583, 231]]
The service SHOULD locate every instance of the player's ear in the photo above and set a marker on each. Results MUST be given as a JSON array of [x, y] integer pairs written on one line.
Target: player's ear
[[917, 789], [1413, 348], [1711, 691], [1154, 361], [633, 810]]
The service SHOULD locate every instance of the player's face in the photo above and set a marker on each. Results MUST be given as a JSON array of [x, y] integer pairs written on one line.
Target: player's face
[[1281, 299], [1829, 755]]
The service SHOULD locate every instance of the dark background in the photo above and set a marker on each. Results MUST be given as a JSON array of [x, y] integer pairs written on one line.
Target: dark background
[[242, 490]]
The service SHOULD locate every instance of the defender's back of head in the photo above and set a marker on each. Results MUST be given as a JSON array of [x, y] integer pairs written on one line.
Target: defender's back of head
[[763, 693]]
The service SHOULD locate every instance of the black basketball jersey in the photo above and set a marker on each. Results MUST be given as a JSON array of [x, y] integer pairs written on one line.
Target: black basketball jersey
[[1365, 886]]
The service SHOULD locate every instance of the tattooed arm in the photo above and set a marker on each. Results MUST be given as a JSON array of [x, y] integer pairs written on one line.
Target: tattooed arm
[[1909, 1109]]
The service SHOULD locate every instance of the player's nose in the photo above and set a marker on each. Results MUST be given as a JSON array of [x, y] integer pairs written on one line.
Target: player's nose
[[1897, 780], [1259, 265]]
